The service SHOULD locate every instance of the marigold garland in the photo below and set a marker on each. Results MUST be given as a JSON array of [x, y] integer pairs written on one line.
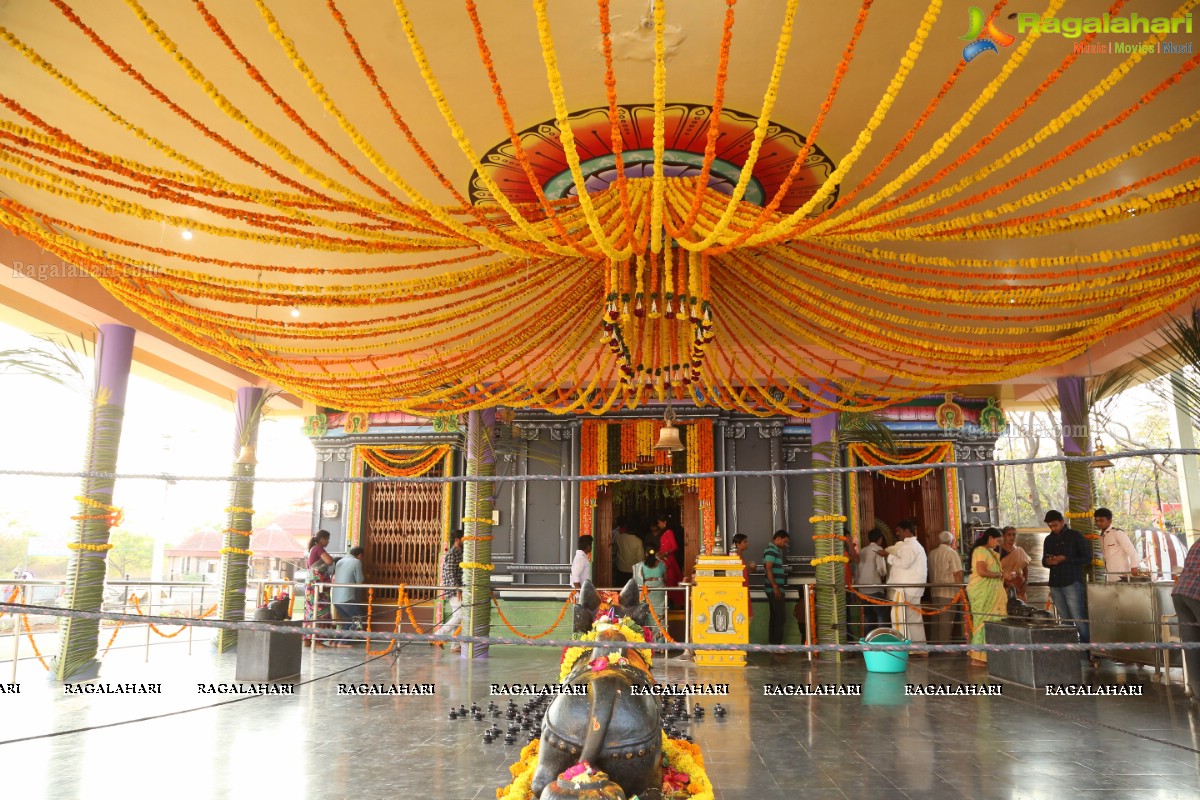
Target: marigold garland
[[791, 313], [571, 655], [93, 548], [567, 604], [32, 641]]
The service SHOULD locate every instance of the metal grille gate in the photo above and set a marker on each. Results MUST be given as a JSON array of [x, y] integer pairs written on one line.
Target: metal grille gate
[[403, 533]]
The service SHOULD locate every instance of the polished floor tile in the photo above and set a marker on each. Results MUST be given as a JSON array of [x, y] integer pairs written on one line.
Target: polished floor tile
[[318, 743]]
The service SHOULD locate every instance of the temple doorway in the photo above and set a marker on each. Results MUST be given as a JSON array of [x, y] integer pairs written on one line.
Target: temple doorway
[[641, 502], [890, 501]]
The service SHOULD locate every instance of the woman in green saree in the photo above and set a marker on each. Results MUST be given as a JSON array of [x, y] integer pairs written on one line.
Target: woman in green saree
[[985, 590]]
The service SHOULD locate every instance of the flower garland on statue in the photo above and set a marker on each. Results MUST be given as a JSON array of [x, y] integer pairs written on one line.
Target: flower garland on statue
[[684, 773], [628, 628]]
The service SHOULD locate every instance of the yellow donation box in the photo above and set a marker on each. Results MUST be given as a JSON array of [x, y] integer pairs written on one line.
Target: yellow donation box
[[720, 613]]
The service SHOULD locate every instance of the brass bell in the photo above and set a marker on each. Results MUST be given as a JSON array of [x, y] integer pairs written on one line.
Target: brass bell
[[1103, 463], [668, 437]]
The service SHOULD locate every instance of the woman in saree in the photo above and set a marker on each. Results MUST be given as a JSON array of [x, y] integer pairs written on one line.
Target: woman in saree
[[985, 590], [1015, 563], [320, 566]]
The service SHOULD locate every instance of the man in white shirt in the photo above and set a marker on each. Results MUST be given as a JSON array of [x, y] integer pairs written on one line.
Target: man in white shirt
[[1121, 558], [909, 570], [871, 572], [581, 566], [945, 578]]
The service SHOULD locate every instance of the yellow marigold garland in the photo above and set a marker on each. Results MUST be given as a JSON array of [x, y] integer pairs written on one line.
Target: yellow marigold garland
[[572, 654], [94, 548]]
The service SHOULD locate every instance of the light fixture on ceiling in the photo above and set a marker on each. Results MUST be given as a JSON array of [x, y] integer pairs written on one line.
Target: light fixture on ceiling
[[295, 311], [187, 234]]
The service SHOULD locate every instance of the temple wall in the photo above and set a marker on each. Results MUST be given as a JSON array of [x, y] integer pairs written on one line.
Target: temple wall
[[539, 521]]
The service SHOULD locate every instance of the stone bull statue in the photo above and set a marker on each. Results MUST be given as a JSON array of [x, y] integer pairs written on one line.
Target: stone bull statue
[[610, 729]]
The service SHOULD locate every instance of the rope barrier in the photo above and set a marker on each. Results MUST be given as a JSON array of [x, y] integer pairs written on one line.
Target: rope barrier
[[559, 643], [613, 477]]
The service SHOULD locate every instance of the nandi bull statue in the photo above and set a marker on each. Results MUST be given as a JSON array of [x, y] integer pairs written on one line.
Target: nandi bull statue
[[609, 741]]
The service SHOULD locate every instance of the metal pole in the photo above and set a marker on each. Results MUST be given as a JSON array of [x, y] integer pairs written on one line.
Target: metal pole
[[16, 636], [191, 614], [149, 611]]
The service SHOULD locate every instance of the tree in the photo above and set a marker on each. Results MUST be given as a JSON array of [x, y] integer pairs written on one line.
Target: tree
[[132, 554], [1135, 488]]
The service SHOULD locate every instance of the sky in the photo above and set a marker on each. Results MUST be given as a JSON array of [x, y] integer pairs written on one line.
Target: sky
[[164, 431]]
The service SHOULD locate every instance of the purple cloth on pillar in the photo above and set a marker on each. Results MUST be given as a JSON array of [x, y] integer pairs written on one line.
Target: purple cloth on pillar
[[114, 355]]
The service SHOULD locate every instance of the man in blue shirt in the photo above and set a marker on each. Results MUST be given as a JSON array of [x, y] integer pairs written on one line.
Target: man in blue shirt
[[347, 597], [1066, 554], [773, 564]]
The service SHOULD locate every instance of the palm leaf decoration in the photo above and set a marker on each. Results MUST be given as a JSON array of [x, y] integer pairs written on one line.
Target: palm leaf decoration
[[1179, 360], [866, 426], [1103, 389], [56, 360]]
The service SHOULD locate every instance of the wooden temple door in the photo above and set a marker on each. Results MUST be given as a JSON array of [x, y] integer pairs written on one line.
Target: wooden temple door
[[921, 500], [602, 546], [402, 534], [689, 518], [933, 513], [865, 502]]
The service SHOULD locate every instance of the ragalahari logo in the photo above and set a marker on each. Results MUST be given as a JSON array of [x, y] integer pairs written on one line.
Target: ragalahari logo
[[983, 35]]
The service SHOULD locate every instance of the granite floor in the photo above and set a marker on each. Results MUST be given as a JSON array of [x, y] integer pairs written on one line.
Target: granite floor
[[318, 744]]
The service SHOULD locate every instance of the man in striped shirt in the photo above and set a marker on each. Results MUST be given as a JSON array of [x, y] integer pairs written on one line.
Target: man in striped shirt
[[773, 561], [452, 575]]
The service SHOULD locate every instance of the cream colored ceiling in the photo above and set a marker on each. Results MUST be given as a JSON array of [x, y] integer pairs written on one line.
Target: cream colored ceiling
[[420, 367]]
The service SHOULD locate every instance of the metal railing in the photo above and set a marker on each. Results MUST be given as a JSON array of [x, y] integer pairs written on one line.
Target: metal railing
[[192, 599]]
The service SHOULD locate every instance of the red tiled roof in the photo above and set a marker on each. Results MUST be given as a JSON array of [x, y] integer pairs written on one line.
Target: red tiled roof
[[270, 541], [205, 544], [274, 542]]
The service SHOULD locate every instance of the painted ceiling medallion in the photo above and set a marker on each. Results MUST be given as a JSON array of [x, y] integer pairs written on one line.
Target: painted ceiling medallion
[[686, 134]]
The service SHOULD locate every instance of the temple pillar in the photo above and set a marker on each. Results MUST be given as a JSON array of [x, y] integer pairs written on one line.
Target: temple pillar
[[827, 532], [477, 529], [79, 639], [1188, 467], [1073, 414], [235, 550]]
